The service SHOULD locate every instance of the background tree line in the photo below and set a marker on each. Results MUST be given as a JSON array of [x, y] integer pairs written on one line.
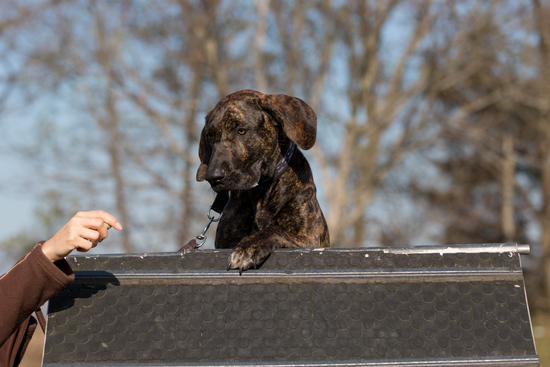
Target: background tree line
[[433, 115]]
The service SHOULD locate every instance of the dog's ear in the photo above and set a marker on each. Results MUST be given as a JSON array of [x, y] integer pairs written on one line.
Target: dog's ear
[[298, 120], [205, 151]]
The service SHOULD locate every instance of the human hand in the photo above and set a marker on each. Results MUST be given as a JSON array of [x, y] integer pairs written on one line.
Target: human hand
[[82, 232]]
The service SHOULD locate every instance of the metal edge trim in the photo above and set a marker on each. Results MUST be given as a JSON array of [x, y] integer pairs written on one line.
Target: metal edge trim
[[523, 249], [479, 273], [529, 360]]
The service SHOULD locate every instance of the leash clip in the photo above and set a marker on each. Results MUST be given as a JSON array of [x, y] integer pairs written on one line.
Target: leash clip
[[201, 238]]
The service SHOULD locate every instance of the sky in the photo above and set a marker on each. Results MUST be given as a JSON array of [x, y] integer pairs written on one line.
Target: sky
[[16, 210], [16, 207]]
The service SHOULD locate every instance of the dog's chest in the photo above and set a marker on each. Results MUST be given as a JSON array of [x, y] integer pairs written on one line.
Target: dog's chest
[[243, 217]]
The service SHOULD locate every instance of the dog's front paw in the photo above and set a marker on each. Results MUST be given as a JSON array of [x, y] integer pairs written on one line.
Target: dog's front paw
[[246, 257]]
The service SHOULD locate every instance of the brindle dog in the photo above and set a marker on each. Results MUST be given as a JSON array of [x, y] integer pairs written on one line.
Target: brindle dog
[[248, 148]]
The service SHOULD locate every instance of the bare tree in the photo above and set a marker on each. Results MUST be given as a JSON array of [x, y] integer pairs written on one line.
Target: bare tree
[[388, 79], [534, 99], [384, 120]]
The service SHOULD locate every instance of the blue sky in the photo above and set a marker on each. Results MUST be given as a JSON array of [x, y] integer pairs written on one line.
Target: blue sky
[[16, 207]]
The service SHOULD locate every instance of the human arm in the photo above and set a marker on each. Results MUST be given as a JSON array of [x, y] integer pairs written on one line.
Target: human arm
[[43, 272], [28, 285]]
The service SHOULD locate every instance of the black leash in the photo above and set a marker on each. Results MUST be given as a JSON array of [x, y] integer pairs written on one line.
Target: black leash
[[217, 206]]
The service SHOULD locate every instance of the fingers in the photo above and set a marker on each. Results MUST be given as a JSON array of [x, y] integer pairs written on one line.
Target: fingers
[[106, 217], [82, 232], [92, 229], [99, 221], [87, 240]]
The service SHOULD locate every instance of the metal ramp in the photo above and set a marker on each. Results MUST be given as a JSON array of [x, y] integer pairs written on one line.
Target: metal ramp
[[461, 305]]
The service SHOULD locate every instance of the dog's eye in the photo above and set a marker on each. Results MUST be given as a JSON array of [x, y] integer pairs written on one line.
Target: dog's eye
[[241, 131]]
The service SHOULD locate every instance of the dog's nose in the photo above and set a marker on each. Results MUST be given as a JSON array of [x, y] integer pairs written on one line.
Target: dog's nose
[[215, 175]]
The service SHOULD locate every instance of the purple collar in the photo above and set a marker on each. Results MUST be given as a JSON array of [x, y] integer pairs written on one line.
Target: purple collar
[[283, 163]]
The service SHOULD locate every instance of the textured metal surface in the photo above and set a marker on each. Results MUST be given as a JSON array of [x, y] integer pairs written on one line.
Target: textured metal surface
[[337, 307]]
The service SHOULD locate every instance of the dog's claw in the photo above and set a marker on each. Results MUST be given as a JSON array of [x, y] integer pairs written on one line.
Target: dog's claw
[[240, 260], [246, 257]]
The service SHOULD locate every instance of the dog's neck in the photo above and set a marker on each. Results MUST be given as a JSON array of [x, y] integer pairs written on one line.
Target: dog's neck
[[282, 165]]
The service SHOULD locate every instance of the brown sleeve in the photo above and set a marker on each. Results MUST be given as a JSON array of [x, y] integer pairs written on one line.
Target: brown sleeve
[[23, 289]]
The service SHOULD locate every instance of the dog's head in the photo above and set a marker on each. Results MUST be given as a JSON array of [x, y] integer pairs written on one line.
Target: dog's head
[[239, 143]]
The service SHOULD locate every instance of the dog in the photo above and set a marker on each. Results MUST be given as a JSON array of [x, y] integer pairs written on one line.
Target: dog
[[249, 148]]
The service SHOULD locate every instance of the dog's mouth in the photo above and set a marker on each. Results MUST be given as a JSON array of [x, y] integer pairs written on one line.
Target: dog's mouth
[[227, 185], [217, 185], [224, 179]]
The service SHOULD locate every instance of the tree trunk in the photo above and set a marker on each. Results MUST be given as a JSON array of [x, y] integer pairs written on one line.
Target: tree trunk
[[508, 183]]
